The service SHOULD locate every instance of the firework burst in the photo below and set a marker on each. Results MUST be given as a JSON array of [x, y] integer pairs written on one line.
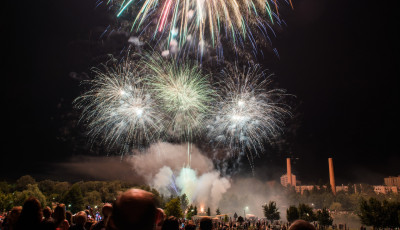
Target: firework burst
[[119, 110], [184, 93], [247, 113], [203, 22]]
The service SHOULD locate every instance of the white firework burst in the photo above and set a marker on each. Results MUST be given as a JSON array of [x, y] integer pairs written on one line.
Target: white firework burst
[[119, 110], [247, 113]]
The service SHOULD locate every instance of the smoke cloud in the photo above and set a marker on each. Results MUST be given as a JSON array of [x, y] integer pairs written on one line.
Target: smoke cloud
[[248, 195], [165, 167]]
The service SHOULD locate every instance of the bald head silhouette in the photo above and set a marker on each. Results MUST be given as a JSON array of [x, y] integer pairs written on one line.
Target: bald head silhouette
[[135, 209], [301, 225]]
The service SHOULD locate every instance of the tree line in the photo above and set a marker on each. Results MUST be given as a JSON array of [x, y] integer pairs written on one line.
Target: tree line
[[377, 210]]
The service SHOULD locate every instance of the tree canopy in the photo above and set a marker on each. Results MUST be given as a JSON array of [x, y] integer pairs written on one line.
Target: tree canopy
[[271, 211], [173, 208]]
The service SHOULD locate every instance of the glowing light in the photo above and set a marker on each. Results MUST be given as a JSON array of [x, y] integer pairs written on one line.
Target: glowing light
[[246, 113], [184, 94], [118, 109], [211, 20]]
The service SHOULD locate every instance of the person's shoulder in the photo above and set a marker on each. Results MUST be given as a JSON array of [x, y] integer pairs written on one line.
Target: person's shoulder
[[99, 225]]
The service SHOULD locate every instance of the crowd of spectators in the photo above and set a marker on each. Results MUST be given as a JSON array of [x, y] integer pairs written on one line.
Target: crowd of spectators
[[134, 209]]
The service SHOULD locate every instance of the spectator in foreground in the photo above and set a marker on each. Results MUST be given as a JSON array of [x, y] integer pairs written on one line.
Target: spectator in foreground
[[47, 214], [48, 221], [190, 226], [80, 221], [11, 220], [301, 225], [206, 223], [31, 215], [68, 217], [135, 209], [106, 211], [59, 217], [162, 219], [171, 223]]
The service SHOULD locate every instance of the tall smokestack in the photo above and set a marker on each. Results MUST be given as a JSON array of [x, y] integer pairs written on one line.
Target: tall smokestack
[[289, 171], [332, 176]]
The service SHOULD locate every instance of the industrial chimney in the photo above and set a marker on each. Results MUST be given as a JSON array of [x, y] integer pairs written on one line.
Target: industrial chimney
[[289, 172], [332, 176]]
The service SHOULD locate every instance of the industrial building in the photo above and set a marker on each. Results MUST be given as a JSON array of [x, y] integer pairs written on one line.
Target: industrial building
[[392, 184]]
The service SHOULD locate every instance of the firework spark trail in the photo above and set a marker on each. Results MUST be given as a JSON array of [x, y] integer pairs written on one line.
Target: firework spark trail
[[119, 110], [206, 20], [184, 94], [247, 113]]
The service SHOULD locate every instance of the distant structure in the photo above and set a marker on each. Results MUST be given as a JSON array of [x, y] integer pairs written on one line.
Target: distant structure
[[285, 180], [385, 189], [288, 178], [343, 188], [392, 184], [332, 176], [392, 181], [289, 171]]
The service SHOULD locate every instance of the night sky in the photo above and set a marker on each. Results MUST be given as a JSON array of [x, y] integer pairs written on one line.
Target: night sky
[[339, 58]]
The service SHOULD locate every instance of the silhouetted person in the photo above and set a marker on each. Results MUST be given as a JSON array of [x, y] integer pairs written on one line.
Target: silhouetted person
[[48, 221], [59, 218], [135, 209], [80, 221], [206, 223], [190, 226], [171, 223], [106, 211], [11, 220], [161, 219], [68, 217], [47, 214], [31, 215], [301, 225]]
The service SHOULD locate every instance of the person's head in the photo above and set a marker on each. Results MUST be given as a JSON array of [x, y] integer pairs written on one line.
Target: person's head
[[135, 209], [68, 217], [190, 226], [106, 210], [47, 212], [31, 211], [205, 223], [59, 213], [301, 225], [171, 223], [80, 218], [14, 215]]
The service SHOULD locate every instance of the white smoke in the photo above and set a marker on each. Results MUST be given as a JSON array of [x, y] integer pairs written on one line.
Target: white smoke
[[165, 164], [162, 180], [165, 167], [248, 195]]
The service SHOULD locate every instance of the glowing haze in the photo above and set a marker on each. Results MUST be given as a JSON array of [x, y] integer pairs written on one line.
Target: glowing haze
[[164, 168]]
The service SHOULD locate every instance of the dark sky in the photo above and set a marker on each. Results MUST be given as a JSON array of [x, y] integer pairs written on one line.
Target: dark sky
[[339, 57]]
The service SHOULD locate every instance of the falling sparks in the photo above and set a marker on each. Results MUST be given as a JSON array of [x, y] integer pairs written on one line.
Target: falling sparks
[[119, 110], [247, 113], [211, 21]]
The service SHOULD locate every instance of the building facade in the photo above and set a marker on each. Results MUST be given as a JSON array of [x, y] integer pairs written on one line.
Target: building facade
[[385, 189], [285, 180], [392, 181]]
